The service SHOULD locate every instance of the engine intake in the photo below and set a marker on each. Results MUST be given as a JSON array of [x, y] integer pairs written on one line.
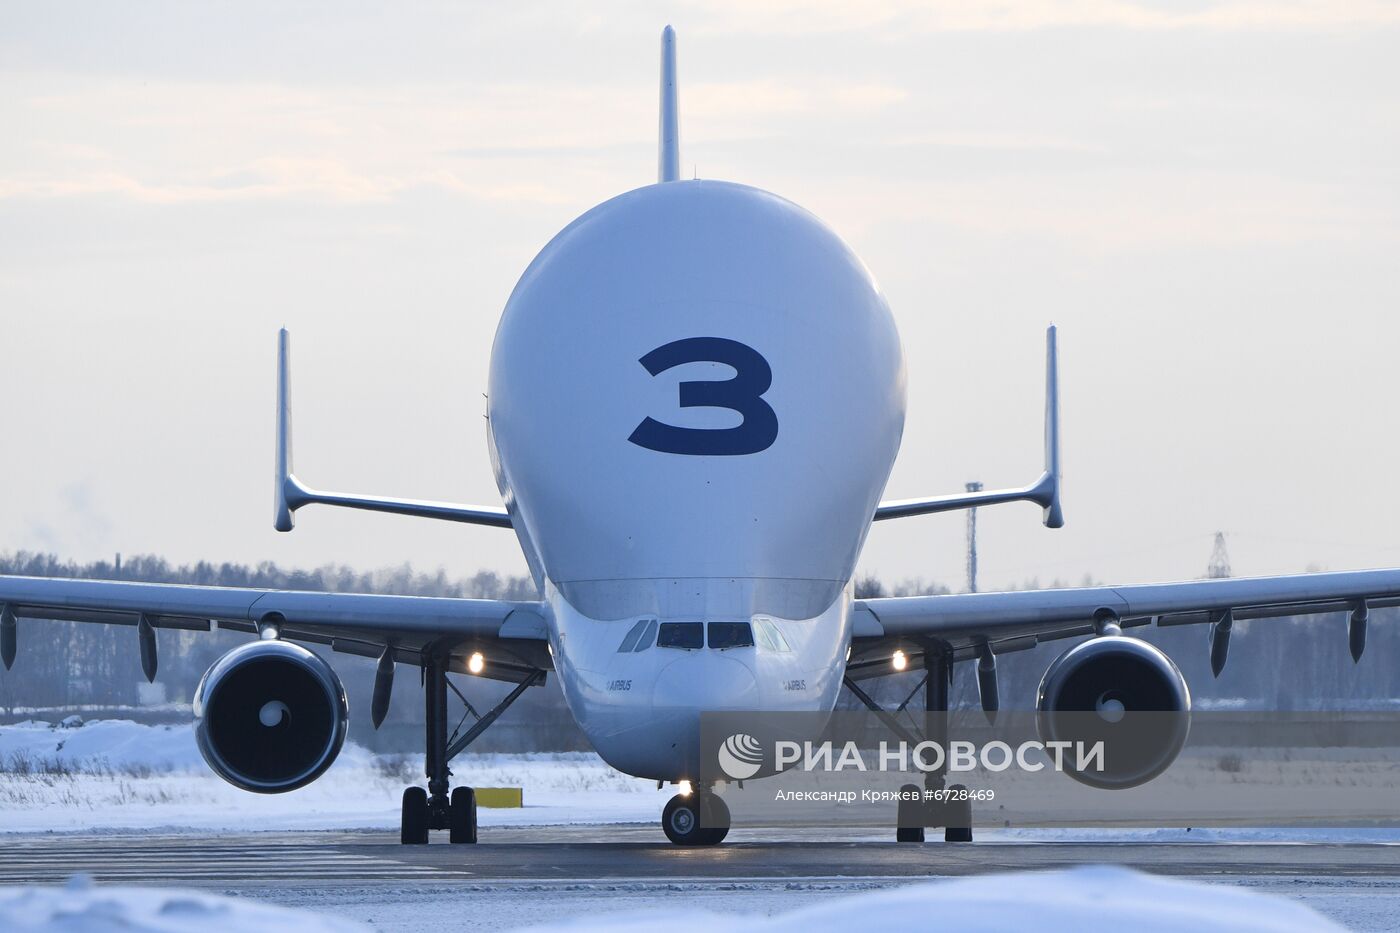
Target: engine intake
[[270, 716], [1123, 692]]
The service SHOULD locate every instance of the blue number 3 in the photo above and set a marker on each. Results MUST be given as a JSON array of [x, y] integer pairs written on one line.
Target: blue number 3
[[743, 393]]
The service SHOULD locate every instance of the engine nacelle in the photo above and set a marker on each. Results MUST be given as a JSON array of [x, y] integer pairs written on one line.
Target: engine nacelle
[[270, 716], [1123, 692]]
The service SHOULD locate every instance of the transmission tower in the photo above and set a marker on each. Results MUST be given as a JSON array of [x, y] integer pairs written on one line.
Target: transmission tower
[[972, 541], [1219, 566]]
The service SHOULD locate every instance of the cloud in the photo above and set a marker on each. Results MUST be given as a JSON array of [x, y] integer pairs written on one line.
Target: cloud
[[325, 182], [172, 142], [993, 142], [84, 522], [789, 96], [907, 17], [189, 142], [1137, 212]]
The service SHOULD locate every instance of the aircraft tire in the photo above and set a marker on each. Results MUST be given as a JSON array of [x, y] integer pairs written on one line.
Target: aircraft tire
[[909, 822], [717, 817], [461, 826], [680, 821], [413, 823], [959, 827]]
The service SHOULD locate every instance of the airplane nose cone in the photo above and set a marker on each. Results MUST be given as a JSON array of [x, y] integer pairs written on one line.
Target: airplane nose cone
[[664, 742], [704, 681], [689, 687]]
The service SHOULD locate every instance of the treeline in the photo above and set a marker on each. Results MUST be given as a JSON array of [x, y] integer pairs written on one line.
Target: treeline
[[1298, 663], [74, 664], [332, 578]]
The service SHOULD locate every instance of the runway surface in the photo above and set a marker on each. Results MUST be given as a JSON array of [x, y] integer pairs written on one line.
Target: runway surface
[[533, 874], [594, 853]]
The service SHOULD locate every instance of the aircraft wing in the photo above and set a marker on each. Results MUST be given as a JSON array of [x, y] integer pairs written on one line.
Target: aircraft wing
[[1018, 620], [511, 633]]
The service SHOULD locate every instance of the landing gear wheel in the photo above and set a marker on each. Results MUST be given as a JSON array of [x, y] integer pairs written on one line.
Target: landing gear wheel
[[715, 816], [680, 821], [413, 824], [461, 817], [909, 822], [959, 820], [682, 818]]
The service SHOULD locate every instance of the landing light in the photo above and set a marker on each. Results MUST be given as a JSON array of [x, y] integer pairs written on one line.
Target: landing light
[[684, 788], [899, 661], [476, 663]]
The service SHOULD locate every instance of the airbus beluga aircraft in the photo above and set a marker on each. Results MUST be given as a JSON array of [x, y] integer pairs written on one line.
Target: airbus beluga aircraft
[[696, 396]]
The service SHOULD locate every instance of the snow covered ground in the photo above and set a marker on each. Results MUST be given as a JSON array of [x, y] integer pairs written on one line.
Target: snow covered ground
[[82, 908], [1093, 897], [114, 775], [117, 775], [120, 776], [1087, 898]]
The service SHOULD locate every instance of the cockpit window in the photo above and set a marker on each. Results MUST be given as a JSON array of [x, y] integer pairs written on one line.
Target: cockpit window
[[731, 635], [681, 635], [639, 638], [630, 642], [769, 635]]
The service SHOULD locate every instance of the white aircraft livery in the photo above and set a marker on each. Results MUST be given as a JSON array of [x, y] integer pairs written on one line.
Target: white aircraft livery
[[696, 397]]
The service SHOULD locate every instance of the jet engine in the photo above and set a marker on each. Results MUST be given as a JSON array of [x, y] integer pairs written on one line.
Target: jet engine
[[270, 716], [1124, 693]]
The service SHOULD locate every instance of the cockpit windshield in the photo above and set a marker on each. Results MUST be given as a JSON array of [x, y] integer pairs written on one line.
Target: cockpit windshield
[[731, 635], [690, 635]]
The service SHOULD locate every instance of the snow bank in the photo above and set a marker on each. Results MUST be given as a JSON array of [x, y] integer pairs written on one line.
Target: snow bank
[[100, 745], [118, 745], [115, 775], [1086, 898], [82, 908]]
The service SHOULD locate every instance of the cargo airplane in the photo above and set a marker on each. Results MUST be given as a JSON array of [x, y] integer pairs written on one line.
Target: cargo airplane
[[696, 396]]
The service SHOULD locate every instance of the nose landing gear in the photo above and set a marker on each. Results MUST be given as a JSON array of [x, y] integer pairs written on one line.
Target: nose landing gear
[[700, 818]]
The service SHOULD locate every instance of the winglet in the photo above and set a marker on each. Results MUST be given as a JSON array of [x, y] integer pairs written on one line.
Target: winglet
[[1054, 515], [1044, 492], [289, 494], [669, 155], [286, 490]]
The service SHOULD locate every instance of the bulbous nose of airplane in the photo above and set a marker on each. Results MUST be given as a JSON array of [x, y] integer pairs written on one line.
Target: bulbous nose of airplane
[[574, 379], [704, 680], [663, 742], [687, 688]]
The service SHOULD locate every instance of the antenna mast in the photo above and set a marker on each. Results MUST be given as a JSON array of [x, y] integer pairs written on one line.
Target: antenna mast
[[1219, 566], [972, 541]]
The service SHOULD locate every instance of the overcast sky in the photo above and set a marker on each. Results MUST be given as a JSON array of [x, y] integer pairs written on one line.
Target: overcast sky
[[1205, 197]]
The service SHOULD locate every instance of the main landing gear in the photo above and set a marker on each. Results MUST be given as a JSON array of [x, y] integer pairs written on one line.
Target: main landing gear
[[700, 818], [937, 803], [418, 816], [433, 808]]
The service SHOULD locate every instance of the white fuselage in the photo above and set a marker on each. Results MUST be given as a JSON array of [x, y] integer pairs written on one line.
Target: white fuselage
[[696, 396]]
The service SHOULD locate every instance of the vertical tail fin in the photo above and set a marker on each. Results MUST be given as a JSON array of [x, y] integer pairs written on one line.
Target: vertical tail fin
[[669, 155]]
